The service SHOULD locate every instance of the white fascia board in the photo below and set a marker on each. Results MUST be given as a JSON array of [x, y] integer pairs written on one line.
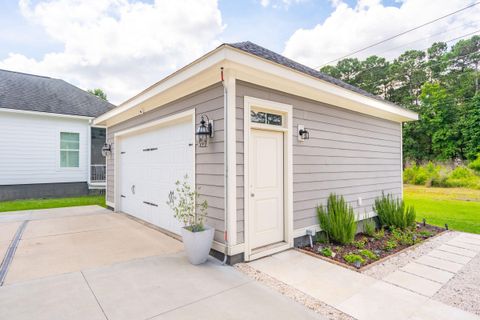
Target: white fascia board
[[194, 68], [310, 87], [48, 114], [290, 75]]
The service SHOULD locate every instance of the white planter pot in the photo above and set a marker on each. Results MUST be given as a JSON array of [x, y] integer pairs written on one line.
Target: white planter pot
[[197, 244]]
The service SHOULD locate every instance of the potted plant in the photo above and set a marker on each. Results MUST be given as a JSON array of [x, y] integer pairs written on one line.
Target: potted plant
[[197, 237]]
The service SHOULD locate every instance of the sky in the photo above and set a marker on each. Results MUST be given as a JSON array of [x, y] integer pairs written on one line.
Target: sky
[[123, 46]]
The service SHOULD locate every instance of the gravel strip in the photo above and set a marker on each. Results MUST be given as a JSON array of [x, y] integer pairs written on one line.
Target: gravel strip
[[394, 263], [297, 295], [463, 290]]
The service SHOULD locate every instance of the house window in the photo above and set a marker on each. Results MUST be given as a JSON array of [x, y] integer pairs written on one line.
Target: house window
[[267, 118], [69, 150]]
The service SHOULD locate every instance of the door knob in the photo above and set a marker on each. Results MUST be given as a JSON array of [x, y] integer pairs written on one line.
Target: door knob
[[252, 194], [133, 189]]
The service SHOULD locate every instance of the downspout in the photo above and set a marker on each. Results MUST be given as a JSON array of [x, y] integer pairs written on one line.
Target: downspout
[[225, 166]]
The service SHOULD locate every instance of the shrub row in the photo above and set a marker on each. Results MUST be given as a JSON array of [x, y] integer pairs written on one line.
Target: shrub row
[[337, 218], [435, 175]]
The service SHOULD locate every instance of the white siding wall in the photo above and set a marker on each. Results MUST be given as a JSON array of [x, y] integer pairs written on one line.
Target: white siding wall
[[30, 149]]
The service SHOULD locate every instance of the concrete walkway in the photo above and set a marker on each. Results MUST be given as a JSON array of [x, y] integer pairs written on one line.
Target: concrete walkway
[[89, 263], [404, 294]]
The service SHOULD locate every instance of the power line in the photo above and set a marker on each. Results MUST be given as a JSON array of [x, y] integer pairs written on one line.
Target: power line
[[438, 63], [400, 34], [426, 38]]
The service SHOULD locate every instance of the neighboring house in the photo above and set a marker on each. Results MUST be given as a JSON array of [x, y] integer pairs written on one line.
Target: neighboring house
[[48, 147], [261, 180]]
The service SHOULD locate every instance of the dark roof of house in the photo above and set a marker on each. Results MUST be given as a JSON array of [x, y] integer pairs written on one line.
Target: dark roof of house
[[28, 92], [262, 52]]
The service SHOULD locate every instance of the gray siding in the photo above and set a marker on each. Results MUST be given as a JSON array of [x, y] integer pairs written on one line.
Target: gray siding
[[209, 161], [348, 153]]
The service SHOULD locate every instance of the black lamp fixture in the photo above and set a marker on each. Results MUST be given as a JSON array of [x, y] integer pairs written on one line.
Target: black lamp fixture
[[204, 131], [303, 134], [106, 149]]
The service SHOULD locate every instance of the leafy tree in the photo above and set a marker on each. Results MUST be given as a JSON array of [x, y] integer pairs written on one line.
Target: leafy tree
[[471, 128], [440, 121], [441, 84], [99, 93]]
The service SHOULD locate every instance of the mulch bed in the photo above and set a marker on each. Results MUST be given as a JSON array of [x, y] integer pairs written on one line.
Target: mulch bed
[[378, 246]]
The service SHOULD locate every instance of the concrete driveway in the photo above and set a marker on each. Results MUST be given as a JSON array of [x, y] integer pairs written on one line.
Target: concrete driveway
[[90, 263]]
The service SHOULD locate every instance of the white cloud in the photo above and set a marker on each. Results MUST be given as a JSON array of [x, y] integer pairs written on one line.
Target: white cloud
[[119, 46], [280, 4], [350, 28]]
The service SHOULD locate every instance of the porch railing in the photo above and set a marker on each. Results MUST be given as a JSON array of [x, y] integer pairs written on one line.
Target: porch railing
[[98, 173]]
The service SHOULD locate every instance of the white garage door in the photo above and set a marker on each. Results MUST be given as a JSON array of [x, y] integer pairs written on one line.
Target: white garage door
[[150, 161]]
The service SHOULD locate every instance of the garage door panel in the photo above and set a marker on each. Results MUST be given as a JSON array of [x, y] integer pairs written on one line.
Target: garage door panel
[[153, 161]]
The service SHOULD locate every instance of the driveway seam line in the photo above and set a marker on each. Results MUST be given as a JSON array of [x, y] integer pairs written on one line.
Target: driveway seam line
[[94, 295], [68, 233], [458, 254], [12, 248], [414, 274], [196, 301], [439, 268]]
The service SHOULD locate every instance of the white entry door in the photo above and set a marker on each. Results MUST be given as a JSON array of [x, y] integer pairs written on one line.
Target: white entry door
[[150, 163], [266, 218]]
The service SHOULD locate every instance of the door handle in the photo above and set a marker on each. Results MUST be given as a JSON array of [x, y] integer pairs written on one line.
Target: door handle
[[133, 189], [252, 194]]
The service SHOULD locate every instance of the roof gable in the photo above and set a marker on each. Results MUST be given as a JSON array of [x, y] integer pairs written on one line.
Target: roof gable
[[272, 56]]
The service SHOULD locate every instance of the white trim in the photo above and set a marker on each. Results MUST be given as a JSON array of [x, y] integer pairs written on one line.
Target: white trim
[[269, 251], [254, 67], [316, 228], [89, 156], [231, 251], [110, 204], [57, 115], [401, 157], [287, 110], [163, 121], [231, 133], [189, 71]]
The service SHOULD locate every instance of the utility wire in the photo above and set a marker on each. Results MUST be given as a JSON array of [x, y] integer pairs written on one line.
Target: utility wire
[[426, 38], [436, 63], [400, 34]]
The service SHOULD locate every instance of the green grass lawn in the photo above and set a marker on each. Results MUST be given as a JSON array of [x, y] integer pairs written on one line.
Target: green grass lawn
[[458, 207], [30, 204]]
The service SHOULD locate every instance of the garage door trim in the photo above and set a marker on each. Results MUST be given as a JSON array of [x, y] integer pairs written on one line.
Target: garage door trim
[[170, 120]]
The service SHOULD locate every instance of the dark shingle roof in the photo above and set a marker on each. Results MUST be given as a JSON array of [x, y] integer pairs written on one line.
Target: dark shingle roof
[[30, 92], [262, 52]]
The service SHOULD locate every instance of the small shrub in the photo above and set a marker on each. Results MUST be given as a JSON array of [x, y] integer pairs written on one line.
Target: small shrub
[[369, 227], [380, 234], [421, 175], [326, 252], [368, 254], [390, 245], [475, 164], [360, 244], [425, 233], [393, 213], [337, 220], [403, 237], [353, 258], [321, 237], [462, 177]]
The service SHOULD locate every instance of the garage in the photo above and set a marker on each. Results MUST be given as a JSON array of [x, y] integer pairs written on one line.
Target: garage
[[151, 158]]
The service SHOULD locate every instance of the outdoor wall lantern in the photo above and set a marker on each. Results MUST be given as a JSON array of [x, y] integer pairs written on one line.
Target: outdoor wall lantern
[[303, 134], [106, 149], [204, 131]]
